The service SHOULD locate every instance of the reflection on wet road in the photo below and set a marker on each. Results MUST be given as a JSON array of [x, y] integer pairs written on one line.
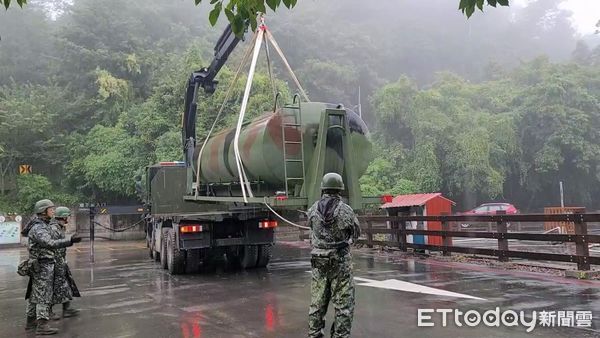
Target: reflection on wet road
[[125, 294]]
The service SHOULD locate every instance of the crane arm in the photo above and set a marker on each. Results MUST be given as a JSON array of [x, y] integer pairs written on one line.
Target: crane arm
[[205, 79]]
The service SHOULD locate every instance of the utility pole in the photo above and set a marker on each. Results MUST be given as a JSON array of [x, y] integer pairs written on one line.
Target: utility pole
[[92, 216], [359, 105], [562, 195]]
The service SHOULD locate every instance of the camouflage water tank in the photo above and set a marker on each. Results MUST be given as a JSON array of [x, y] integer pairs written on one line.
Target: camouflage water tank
[[261, 147]]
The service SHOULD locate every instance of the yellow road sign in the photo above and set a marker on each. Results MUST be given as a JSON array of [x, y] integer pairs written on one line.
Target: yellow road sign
[[103, 211], [24, 169]]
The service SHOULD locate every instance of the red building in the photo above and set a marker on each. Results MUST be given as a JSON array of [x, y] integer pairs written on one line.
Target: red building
[[431, 204]]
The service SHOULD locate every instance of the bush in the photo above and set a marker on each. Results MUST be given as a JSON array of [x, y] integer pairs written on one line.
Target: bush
[[32, 188]]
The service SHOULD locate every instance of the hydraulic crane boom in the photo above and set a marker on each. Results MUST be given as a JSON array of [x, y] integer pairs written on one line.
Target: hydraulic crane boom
[[204, 78]]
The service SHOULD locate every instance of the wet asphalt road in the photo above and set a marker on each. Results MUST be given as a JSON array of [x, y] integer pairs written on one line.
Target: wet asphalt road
[[125, 294]]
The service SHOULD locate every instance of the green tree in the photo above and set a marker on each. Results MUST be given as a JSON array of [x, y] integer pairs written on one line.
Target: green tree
[[32, 127], [105, 162], [512, 138], [558, 131], [168, 147], [27, 47], [443, 134], [325, 80], [382, 177], [33, 188], [240, 11]]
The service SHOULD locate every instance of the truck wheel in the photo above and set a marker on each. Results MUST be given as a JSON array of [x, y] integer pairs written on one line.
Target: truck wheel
[[192, 260], [163, 248], [175, 257], [264, 255]]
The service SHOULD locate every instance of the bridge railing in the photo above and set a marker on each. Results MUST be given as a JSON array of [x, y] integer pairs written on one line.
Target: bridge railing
[[396, 229]]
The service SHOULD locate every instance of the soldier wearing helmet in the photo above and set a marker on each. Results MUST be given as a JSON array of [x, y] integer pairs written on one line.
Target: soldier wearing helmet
[[42, 245], [334, 225], [64, 284]]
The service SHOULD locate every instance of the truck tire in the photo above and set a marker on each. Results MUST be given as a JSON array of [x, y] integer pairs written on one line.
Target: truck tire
[[175, 257], [192, 260], [264, 255], [163, 247]]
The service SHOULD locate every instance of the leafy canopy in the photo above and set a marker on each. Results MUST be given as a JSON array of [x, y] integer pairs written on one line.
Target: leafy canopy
[[240, 11]]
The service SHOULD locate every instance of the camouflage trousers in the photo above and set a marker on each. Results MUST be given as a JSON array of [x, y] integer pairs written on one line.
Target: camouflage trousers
[[62, 291], [40, 290], [332, 280], [39, 311], [41, 283]]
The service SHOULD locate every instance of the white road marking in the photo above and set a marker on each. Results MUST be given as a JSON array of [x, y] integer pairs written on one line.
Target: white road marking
[[107, 287], [125, 303], [380, 272], [289, 265], [103, 292], [394, 284]]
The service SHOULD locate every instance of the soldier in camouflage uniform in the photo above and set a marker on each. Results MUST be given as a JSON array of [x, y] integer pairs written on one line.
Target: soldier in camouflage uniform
[[64, 285], [333, 224], [42, 245]]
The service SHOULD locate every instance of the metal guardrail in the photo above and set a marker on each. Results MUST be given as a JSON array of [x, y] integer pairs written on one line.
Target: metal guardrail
[[396, 225]]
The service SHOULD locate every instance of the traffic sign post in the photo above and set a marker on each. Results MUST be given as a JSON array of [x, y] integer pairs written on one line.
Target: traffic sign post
[[92, 214]]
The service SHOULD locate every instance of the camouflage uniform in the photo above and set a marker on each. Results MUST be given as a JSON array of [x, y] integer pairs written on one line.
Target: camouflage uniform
[[42, 245], [64, 287], [333, 224]]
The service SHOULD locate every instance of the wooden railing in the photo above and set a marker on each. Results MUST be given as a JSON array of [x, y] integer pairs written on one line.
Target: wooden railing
[[396, 226]]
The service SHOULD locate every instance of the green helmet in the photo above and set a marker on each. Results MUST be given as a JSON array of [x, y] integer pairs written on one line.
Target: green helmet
[[62, 212], [42, 205], [332, 181]]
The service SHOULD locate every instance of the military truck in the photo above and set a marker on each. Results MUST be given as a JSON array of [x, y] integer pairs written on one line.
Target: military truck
[[203, 208]]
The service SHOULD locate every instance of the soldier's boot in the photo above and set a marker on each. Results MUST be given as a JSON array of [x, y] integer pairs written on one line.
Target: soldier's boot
[[68, 311], [44, 329], [30, 324]]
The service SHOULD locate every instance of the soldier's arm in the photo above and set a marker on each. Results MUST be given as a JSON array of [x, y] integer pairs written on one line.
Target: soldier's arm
[[43, 239], [356, 228], [309, 222], [351, 222]]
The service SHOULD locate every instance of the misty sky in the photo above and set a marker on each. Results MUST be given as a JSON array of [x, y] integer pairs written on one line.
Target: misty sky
[[586, 13]]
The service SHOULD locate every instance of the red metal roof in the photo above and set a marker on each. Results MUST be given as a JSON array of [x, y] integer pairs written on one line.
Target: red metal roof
[[413, 200]]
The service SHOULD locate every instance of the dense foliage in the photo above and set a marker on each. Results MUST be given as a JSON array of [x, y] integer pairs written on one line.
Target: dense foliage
[[239, 11], [92, 97], [513, 138]]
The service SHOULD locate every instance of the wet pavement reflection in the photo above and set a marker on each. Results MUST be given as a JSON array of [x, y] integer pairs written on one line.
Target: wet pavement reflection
[[126, 294]]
